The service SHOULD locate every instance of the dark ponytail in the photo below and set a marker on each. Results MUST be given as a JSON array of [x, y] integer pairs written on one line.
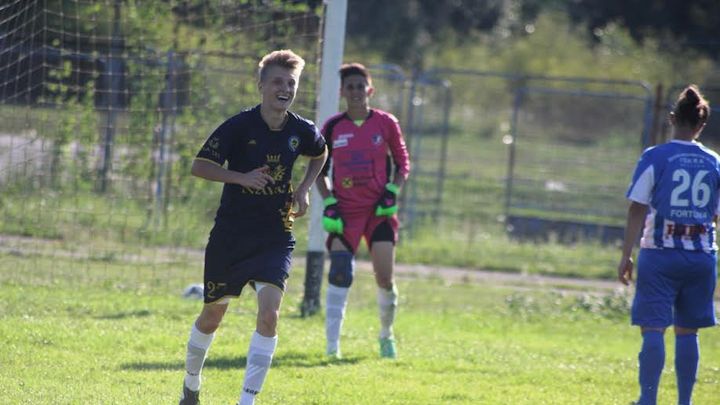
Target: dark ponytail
[[691, 108]]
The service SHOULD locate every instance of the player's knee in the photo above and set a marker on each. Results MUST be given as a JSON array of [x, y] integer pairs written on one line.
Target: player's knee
[[680, 331], [342, 268], [268, 319], [207, 326], [384, 281], [209, 320], [645, 329]]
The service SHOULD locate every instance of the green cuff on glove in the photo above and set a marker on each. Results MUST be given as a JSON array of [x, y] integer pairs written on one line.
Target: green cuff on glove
[[333, 225], [329, 201], [386, 211], [387, 206], [392, 187], [332, 221]]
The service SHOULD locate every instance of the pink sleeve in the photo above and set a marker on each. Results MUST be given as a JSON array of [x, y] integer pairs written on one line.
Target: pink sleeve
[[399, 152]]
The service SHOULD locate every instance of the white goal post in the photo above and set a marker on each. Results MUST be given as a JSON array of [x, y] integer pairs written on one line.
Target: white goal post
[[333, 44]]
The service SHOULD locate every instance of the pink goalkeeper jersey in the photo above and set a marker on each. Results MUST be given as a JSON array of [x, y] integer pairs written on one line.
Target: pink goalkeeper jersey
[[363, 157]]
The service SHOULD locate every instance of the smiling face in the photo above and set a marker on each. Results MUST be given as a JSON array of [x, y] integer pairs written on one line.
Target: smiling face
[[356, 91], [278, 87]]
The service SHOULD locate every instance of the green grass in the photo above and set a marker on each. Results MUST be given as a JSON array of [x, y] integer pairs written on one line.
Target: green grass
[[469, 245], [97, 331], [583, 182], [86, 224]]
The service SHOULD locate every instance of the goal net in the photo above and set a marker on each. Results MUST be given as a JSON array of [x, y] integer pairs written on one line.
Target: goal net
[[103, 105]]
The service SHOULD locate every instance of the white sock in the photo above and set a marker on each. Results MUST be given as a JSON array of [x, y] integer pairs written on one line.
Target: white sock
[[197, 349], [335, 303], [259, 359], [387, 303]]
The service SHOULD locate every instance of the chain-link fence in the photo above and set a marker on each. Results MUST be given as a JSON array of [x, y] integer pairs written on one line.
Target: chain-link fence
[[103, 105], [540, 157], [571, 155]]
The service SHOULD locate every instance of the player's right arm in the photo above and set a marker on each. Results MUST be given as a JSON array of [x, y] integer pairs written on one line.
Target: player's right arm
[[209, 170], [634, 225], [332, 220], [640, 194]]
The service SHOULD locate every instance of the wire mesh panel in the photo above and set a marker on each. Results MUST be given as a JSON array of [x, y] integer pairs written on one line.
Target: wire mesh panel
[[456, 187], [390, 83], [427, 128], [573, 153], [104, 104], [596, 125]]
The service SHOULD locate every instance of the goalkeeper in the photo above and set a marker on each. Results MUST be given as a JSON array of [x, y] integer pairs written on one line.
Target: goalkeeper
[[366, 145]]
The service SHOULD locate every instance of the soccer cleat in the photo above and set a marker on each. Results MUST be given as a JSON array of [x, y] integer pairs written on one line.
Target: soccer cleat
[[334, 354], [189, 397], [387, 348], [309, 307]]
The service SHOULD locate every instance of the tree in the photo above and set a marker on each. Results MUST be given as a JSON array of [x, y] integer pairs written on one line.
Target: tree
[[402, 31], [690, 23]]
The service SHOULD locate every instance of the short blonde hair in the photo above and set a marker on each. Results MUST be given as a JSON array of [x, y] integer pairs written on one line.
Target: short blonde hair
[[284, 58]]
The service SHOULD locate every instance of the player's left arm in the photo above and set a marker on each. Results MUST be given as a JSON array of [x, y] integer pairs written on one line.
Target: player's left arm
[[301, 198], [387, 205], [313, 146], [399, 153]]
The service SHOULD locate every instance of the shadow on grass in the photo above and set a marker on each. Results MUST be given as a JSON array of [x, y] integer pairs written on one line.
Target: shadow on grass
[[302, 359], [123, 315], [291, 359]]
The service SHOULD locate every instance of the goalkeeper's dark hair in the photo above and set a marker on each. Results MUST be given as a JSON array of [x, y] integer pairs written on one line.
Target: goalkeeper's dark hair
[[352, 69], [283, 58], [691, 108]]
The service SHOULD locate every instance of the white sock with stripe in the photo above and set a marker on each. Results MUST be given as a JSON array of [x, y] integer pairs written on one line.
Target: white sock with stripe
[[387, 303], [259, 359], [197, 349], [336, 301]]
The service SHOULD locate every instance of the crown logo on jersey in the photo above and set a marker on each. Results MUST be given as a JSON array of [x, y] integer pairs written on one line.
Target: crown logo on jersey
[[273, 158], [277, 173]]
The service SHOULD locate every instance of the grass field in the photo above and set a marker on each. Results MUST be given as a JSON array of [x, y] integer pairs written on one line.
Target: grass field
[[105, 332], [111, 227]]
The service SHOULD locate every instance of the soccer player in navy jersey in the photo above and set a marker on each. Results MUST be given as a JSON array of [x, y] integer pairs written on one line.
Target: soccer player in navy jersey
[[370, 163], [251, 242], [674, 192]]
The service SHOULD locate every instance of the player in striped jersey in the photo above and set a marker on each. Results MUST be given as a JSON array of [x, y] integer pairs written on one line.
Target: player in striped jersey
[[674, 192]]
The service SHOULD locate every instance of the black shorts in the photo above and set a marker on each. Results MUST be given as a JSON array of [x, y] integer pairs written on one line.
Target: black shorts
[[232, 261]]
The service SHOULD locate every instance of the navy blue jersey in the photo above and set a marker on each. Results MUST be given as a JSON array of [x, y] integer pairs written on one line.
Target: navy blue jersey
[[246, 142], [679, 180]]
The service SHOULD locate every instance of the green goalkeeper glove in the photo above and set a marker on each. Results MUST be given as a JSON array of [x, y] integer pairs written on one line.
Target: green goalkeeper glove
[[387, 206], [332, 222]]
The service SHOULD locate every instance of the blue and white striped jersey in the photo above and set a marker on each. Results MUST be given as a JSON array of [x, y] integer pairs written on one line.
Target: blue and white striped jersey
[[679, 180]]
